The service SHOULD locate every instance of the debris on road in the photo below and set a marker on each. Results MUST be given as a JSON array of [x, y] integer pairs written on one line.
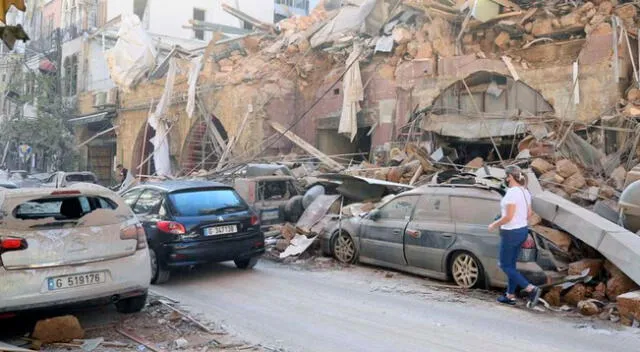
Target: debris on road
[[59, 329]]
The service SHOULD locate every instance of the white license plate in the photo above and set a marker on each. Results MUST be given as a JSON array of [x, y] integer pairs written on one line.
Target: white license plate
[[70, 281], [222, 230], [270, 215]]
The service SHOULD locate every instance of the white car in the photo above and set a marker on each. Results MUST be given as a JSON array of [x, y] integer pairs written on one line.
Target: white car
[[66, 246]]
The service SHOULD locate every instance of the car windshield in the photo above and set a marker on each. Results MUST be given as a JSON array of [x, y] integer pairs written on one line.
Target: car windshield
[[206, 202]]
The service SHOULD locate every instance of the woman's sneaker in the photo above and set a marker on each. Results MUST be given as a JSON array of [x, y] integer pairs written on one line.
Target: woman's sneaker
[[534, 296], [506, 300]]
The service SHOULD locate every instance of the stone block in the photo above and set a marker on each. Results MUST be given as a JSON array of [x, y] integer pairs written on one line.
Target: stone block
[[59, 329], [566, 168], [618, 177], [588, 308], [503, 40], [594, 266], [553, 297], [557, 237], [574, 183], [576, 294], [619, 284], [629, 307], [541, 166]]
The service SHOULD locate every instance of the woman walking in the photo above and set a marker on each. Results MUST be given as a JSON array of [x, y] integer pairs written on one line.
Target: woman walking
[[514, 231]]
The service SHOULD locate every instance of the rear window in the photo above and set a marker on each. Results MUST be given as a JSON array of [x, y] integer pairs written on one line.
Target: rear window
[[206, 202], [70, 208], [80, 178]]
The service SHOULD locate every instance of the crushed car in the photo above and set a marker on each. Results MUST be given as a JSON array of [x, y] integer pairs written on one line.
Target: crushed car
[[437, 231], [65, 247]]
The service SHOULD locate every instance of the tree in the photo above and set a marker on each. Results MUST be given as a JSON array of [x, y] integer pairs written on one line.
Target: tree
[[47, 133]]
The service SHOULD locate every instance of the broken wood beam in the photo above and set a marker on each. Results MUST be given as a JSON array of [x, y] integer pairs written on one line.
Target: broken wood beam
[[416, 176], [306, 146], [234, 139], [96, 136], [218, 142], [246, 18]]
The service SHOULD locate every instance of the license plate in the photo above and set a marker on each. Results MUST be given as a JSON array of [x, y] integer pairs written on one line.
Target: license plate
[[222, 230], [71, 281], [270, 215]]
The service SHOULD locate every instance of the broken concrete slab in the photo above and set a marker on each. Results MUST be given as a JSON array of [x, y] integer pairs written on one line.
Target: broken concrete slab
[[299, 245], [614, 242]]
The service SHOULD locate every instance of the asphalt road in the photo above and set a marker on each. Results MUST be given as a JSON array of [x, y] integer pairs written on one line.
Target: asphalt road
[[365, 309]]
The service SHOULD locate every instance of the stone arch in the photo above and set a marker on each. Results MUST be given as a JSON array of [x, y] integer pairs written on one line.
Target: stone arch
[[520, 96], [454, 120], [198, 151]]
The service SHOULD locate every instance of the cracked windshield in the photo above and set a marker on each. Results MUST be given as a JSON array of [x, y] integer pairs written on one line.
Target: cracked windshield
[[319, 175]]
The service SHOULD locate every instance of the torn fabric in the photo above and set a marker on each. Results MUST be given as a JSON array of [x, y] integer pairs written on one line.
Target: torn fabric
[[133, 55], [353, 95], [194, 73], [156, 121]]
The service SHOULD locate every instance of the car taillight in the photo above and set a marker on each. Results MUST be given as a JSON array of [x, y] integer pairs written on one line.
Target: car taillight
[[135, 232], [529, 243], [255, 220], [172, 227], [12, 244]]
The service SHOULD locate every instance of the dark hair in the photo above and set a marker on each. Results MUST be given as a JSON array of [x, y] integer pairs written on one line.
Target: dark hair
[[517, 174], [119, 166]]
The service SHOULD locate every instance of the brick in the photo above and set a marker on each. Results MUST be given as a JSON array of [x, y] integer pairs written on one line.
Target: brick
[[618, 284], [502, 40], [59, 329], [574, 183]]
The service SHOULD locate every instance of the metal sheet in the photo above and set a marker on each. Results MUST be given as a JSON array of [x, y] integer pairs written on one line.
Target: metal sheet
[[316, 211]]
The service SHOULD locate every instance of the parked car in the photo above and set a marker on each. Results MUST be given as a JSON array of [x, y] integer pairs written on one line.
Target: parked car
[[438, 231], [65, 179], [195, 222], [60, 247]]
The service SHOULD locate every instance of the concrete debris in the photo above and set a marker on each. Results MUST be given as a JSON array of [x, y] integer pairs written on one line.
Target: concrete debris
[[593, 265], [576, 294], [629, 307], [588, 308], [59, 329]]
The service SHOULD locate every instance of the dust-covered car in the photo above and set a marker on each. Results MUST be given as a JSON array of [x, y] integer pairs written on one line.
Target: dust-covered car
[[65, 179], [68, 246], [438, 231]]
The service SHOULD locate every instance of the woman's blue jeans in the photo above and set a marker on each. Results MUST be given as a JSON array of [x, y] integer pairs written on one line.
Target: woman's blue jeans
[[510, 244]]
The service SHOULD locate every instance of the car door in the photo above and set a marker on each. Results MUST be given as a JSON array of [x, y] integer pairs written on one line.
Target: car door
[[382, 231], [132, 196], [431, 231], [472, 215]]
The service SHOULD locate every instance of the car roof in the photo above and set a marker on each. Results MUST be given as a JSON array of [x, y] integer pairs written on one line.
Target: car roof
[[173, 186], [476, 191], [83, 188]]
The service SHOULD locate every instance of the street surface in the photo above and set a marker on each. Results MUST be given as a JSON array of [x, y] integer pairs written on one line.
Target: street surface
[[368, 309]]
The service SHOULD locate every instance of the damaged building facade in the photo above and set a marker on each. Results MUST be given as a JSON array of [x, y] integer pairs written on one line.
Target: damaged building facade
[[466, 77]]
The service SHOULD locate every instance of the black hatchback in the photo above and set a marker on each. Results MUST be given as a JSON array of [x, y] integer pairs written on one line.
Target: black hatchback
[[194, 222]]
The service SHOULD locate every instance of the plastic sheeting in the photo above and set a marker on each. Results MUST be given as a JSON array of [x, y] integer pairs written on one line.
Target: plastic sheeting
[[353, 95], [194, 72], [133, 55], [160, 141]]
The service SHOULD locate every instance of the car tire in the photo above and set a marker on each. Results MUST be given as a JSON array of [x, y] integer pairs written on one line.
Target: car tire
[[466, 270], [159, 275], [343, 248], [132, 304], [246, 264]]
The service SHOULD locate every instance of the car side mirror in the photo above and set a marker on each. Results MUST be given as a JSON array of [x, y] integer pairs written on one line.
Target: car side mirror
[[374, 214]]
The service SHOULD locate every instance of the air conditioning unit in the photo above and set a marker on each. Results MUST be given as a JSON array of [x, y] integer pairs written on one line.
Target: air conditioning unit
[[100, 99], [112, 96]]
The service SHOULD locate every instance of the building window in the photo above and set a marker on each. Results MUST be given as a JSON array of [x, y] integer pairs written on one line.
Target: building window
[[199, 15], [71, 75]]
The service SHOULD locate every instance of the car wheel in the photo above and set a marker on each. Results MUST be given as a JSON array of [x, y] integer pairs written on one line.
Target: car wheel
[[132, 304], [246, 264], [344, 249], [466, 270], [158, 274]]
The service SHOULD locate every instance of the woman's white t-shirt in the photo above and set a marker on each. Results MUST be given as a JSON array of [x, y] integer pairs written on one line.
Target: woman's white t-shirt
[[521, 198]]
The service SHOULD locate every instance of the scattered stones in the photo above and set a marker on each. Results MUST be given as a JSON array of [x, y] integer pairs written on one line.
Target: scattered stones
[[59, 329], [566, 168], [181, 343], [618, 178], [600, 292], [553, 297], [618, 284], [629, 307], [541, 166]]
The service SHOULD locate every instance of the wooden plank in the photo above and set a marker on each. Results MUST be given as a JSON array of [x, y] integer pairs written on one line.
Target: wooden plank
[[235, 138], [96, 136], [219, 144], [511, 68], [416, 176], [306, 146]]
